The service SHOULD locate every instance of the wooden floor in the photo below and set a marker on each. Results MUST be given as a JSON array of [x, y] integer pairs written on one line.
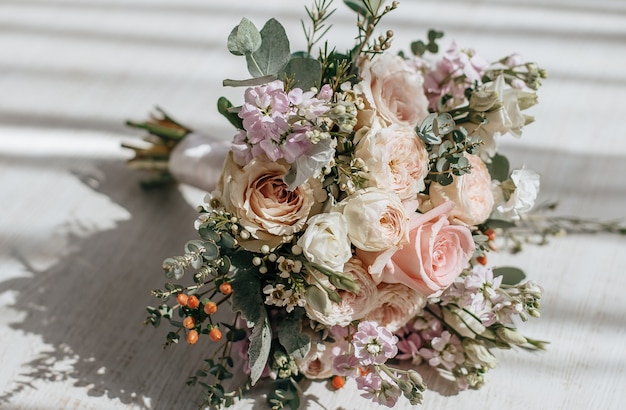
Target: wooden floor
[[81, 244]]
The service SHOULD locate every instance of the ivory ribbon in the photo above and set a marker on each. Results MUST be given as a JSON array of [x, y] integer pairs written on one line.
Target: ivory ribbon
[[198, 159]]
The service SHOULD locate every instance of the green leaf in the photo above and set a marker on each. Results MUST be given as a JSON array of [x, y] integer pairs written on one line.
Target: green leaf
[[317, 299], [499, 168], [248, 301], [223, 107], [291, 337], [306, 71], [259, 350], [251, 82], [510, 275], [245, 39], [499, 223], [358, 6], [273, 54]]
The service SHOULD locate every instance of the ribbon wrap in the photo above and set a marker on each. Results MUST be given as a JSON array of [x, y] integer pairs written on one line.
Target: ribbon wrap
[[198, 159]]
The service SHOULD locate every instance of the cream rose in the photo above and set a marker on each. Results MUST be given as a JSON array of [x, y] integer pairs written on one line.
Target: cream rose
[[325, 241], [435, 256], [394, 89], [353, 306], [376, 219], [395, 305], [396, 159], [471, 193], [258, 196]]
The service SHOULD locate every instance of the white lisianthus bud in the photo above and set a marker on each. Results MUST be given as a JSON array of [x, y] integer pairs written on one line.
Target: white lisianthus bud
[[479, 354], [510, 336]]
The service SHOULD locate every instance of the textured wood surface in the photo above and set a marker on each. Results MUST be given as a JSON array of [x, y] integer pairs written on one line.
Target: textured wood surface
[[81, 244]]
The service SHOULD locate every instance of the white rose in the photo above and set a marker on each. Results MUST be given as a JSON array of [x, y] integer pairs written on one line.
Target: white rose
[[325, 241], [376, 219], [396, 158], [523, 198]]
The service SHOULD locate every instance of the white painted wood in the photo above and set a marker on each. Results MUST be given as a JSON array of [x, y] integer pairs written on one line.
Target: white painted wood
[[81, 244]]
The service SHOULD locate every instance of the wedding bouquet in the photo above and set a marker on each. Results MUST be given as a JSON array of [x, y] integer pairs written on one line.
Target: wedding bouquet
[[350, 224]]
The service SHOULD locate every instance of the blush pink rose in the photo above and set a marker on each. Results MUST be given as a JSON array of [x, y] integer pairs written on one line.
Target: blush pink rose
[[394, 89], [436, 254], [471, 194]]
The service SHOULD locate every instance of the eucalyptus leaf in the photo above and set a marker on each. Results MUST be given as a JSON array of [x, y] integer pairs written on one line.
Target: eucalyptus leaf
[[250, 82], [443, 124], [317, 299], [245, 39], [510, 275], [499, 168], [290, 336], [274, 52], [306, 71], [358, 6]]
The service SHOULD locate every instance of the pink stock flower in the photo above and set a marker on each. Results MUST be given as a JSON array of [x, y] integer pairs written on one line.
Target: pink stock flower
[[446, 351], [457, 70], [374, 344], [409, 343], [377, 389]]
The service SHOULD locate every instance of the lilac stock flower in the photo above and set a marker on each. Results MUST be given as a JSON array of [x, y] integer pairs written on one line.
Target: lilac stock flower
[[446, 351], [277, 123], [409, 343], [374, 344], [379, 390]]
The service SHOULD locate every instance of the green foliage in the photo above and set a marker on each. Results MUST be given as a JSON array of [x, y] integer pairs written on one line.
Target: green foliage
[[244, 39], [273, 54], [306, 71], [247, 299], [290, 335], [510, 275], [419, 48], [499, 168], [224, 107]]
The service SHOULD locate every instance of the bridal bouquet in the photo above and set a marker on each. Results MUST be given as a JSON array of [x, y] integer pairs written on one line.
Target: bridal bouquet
[[350, 224]]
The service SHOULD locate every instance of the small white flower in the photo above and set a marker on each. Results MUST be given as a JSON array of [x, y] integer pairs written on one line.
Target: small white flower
[[277, 295], [523, 198]]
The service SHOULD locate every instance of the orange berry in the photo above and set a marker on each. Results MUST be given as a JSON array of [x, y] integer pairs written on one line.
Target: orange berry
[[182, 299], [210, 308], [491, 234], [338, 382], [192, 337], [189, 323], [482, 259], [192, 302], [215, 334], [226, 288]]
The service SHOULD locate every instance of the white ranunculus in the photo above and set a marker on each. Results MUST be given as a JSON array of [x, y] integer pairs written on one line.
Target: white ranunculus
[[325, 241], [523, 198]]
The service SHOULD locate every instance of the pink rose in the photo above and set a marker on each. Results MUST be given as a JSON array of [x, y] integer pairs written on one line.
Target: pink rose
[[395, 305], [396, 159], [435, 256], [471, 193], [394, 89]]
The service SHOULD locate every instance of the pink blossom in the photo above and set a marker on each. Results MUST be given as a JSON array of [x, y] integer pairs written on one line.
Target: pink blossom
[[409, 343], [378, 389], [446, 351], [374, 344], [457, 70]]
